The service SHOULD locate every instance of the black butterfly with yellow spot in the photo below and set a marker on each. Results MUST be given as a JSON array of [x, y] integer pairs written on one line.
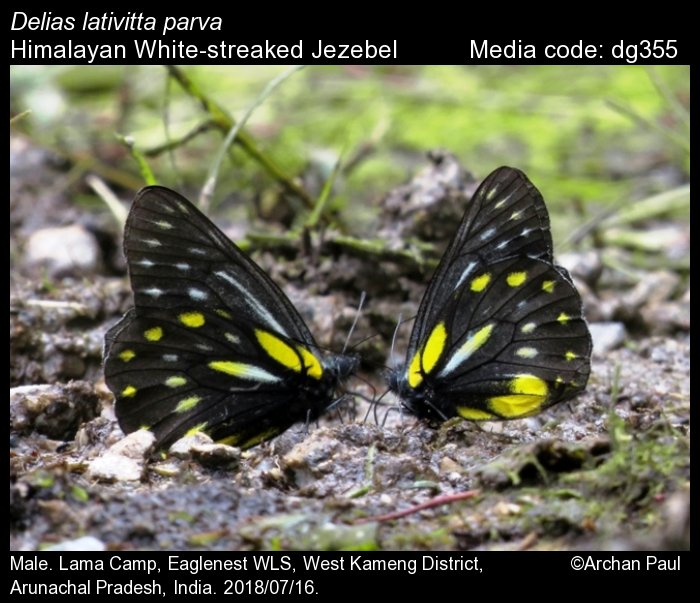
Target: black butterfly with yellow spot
[[499, 333], [212, 343]]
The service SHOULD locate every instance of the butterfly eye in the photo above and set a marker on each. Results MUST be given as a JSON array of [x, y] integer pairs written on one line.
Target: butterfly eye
[[500, 332], [212, 343]]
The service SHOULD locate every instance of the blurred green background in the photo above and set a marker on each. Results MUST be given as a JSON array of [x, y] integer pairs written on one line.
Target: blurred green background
[[602, 135]]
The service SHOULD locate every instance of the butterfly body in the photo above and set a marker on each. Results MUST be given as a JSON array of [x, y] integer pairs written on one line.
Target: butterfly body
[[499, 333], [212, 343]]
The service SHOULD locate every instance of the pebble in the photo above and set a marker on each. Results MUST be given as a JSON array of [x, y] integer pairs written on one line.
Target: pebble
[[63, 251], [86, 543], [125, 460], [607, 336]]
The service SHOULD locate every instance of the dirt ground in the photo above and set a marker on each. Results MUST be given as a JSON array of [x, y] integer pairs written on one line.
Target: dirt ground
[[608, 470]]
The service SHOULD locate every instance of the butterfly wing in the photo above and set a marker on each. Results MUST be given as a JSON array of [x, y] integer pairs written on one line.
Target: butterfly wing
[[505, 217], [499, 333], [212, 343]]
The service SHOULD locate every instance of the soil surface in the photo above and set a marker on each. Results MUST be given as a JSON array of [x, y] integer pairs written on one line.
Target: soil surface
[[608, 470]]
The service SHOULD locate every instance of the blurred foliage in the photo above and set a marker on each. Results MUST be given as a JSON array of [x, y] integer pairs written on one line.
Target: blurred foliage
[[610, 134]]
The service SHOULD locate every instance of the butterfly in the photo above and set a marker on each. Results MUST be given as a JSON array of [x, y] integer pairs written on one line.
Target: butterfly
[[499, 333], [212, 343]]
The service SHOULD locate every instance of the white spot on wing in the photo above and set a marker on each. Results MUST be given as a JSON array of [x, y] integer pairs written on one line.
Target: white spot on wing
[[146, 263], [525, 232], [182, 266], [154, 292], [152, 242], [204, 347], [170, 357], [231, 338], [164, 225], [197, 294], [197, 251]]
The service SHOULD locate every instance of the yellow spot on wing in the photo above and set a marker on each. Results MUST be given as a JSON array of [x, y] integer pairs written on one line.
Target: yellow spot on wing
[[548, 286], [427, 357], [187, 404], [192, 319], [570, 355], [529, 384], [434, 347], [529, 394], [563, 318], [480, 282], [175, 381], [415, 376], [126, 355], [128, 392], [515, 279], [311, 363], [196, 429], [473, 414], [154, 334], [279, 350]]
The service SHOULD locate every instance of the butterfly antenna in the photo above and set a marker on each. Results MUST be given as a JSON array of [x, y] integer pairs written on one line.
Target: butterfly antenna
[[363, 295], [399, 322]]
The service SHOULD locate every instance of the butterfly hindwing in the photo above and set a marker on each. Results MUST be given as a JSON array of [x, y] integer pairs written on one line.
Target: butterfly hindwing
[[212, 343], [500, 332]]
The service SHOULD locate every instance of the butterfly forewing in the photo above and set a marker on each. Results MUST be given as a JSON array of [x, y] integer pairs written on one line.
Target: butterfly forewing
[[212, 343], [500, 332], [176, 255]]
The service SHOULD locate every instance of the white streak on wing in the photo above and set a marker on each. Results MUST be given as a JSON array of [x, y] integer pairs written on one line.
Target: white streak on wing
[[146, 263], [467, 271], [503, 201], [152, 242], [182, 266], [170, 357], [487, 234], [253, 303], [465, 351], [154, 292], [525, 232], [255, 373], [165, 225], [197, 251]]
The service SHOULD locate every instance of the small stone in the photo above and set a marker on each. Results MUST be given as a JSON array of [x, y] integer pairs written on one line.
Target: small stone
[[86, 543], [64, 251], [448, 465], [137, 445], [112, 467], [216, 455], [182, 449], [607, 336], [125, 460]]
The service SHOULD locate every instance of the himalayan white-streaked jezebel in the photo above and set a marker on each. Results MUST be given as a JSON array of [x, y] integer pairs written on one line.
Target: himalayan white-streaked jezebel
[[500, 332], [212, 343]]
